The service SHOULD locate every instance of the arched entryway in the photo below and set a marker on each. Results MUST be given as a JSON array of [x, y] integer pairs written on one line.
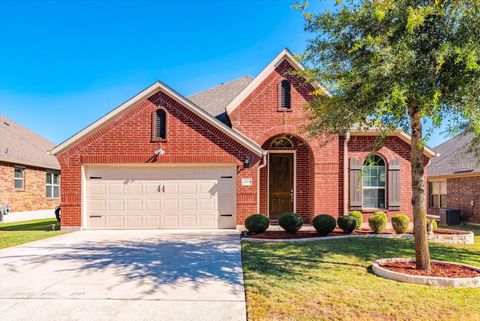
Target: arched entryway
[[287, 180]]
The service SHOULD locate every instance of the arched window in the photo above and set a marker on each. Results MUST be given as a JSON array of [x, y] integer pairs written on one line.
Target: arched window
[[160, 124], [282, 142], [285, 94], [373, 178]]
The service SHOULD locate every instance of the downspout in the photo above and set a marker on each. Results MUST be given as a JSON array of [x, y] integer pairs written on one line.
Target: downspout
[[264, 163], [345, 173]]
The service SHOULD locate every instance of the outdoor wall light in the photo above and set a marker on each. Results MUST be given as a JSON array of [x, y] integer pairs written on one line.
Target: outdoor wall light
[[246, 162]]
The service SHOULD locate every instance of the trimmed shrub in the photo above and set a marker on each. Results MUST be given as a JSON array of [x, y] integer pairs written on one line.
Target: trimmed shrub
[[378, 222], [347, 223], [324, 224], [257, 223], [400, 223], [359, 217], [434, 224], [290, 222]]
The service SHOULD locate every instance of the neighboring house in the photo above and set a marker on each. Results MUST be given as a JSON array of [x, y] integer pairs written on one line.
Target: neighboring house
[[29, 176], [162, 160], [454, 179]]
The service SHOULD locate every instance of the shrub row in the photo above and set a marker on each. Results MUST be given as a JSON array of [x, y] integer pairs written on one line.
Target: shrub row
[[324, 224]]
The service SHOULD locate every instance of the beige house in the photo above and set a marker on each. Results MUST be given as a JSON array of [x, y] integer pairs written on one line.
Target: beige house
[[29, 176]]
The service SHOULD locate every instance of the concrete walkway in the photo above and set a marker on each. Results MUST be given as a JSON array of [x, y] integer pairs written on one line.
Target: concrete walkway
[[28, 215], [124, 275]]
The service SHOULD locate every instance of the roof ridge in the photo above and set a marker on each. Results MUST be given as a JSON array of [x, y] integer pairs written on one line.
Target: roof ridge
[[221, 84]]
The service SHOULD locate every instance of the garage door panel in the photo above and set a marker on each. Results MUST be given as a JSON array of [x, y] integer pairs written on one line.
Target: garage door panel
[[153, 204], [115, 205], [134, 221], [134, 204], [188, 221], [170, 204], [115, 221], [171, 221], [97, 188], [134, 188], [97, 205], [126, 198], [152, 221], [188, 204]]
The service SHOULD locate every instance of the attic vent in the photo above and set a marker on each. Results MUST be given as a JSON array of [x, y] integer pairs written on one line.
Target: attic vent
[[7, 124], [285, 94]]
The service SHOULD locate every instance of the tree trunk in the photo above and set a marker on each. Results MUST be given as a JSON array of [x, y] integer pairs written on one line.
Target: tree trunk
[[422, 253]]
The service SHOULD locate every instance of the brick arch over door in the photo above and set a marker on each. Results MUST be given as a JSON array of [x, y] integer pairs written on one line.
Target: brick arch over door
[[305, 176]]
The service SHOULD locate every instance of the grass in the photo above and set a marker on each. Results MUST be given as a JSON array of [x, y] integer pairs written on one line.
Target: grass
[[332, 280], [12, 234]]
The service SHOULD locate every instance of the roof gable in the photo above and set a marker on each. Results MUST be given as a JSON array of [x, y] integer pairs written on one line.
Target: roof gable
[[148, 92], [285, 54]]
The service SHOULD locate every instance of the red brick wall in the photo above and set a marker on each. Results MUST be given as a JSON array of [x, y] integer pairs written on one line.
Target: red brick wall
[[392, 147], [128, 139], [258, 117], [33, 196], [460, 193]]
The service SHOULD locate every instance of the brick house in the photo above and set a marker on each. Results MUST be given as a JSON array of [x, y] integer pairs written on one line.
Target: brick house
[[454, 179], [29, 176], [162, 160]]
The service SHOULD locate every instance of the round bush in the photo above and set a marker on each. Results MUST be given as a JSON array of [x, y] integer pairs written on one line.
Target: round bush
[[257, 223], [400, 223], [378, 222], [359, 217], [324, 224], [290, 222], [434, 224], [347, 223]]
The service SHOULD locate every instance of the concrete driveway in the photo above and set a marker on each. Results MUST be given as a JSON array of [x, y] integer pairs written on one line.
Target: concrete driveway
[[124, 275]]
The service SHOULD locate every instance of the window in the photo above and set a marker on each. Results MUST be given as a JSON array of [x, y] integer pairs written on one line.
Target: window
[[285, 94], [282, 142], [373, 179], [437, 194], [53, 185], [18, 178], [160, 122]]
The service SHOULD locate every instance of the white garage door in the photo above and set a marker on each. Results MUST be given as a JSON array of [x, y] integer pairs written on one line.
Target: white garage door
[[166, 197]]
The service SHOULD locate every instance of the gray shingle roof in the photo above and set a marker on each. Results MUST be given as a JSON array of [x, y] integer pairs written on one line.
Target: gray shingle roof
[[21, 146], [214, 100], [454, 158]]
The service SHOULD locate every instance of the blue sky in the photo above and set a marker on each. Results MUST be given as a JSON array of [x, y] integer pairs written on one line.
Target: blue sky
[[63, 64]]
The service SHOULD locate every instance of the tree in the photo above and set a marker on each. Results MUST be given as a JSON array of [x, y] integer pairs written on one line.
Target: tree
[[396, 64]]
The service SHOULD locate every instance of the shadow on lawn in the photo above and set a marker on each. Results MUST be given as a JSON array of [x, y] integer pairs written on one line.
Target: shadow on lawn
[[152, 262], [290, 259], [36, 226]]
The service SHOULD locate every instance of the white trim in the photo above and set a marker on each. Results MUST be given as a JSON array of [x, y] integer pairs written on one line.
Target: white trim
[[148, 92], [285, 54], [84, 225], [346, 180], [294, 152], [398, 133], [376, 187]]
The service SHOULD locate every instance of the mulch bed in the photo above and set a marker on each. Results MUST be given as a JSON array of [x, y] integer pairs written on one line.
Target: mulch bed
[[444, 270], [281, 235]]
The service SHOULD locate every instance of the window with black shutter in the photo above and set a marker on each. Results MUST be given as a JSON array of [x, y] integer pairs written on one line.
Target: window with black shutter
[[285, 94], [160, 124]]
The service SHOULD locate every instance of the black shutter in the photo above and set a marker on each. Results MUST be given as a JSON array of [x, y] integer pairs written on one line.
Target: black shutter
[[285, 94], [356, 195], [160, 124], [394, 185]]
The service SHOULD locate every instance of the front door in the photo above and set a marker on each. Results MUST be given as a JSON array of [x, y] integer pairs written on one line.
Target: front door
[[281, 180]]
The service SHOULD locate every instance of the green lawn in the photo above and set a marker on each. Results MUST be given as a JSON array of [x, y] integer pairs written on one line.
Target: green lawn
[[332, 280], [12, 234]]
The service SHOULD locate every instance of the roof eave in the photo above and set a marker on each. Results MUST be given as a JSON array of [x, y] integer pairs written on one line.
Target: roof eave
[[151, 90]]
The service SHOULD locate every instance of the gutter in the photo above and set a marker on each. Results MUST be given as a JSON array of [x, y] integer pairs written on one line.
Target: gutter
[[345, 173]]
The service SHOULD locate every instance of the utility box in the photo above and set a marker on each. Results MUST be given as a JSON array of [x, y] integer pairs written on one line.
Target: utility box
[[450, 216]]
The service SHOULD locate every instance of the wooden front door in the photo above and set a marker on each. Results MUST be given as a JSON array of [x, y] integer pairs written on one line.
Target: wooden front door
[[281, 184]]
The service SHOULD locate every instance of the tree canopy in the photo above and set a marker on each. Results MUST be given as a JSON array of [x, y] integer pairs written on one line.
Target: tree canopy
[[379, 57]]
